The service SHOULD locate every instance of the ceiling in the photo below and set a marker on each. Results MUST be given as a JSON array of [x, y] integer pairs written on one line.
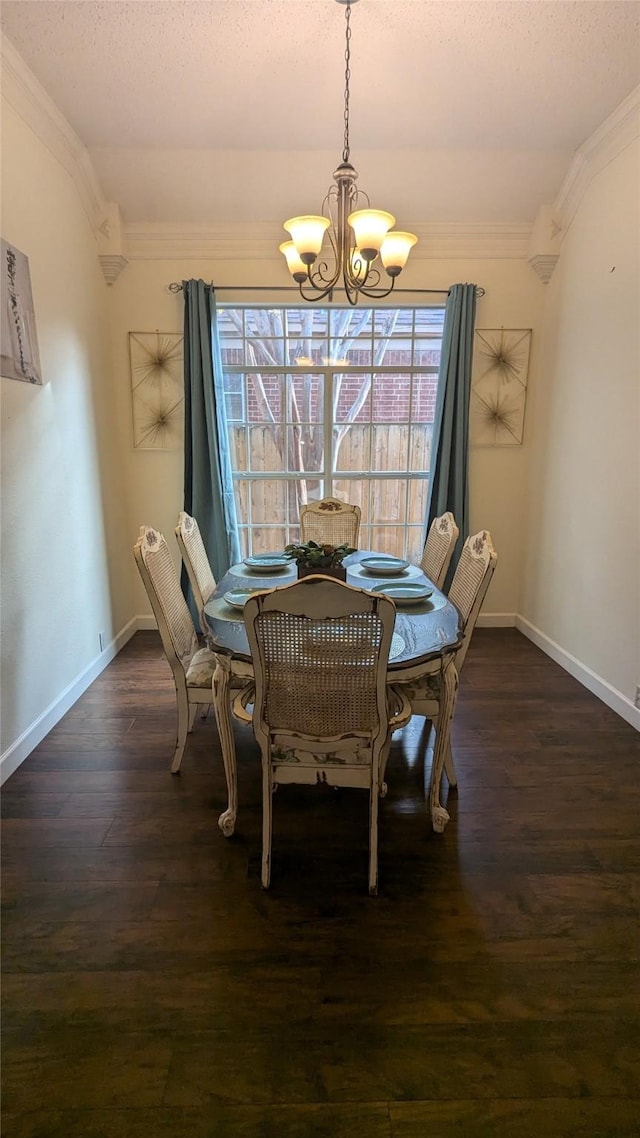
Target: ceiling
[[495, 96]]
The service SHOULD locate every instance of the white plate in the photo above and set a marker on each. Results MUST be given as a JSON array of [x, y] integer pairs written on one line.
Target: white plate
[[384, 566], [407, 593], [238, 598], [268, 562]]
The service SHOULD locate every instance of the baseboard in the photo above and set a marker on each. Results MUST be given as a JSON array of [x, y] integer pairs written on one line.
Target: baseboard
[[25, 744], [590, 680], [496, 620], [145, 623]]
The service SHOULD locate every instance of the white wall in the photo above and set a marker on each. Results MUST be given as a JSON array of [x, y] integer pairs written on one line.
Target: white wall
[[498, 476], [66, 576], [582, 577]]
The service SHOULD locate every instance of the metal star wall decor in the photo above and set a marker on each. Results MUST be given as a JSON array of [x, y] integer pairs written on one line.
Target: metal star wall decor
[[157, 389], [499, 386]]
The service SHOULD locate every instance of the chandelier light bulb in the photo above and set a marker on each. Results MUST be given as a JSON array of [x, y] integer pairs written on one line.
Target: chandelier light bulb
[[395, 250], [307, 234], [369, 228], [295, 265]]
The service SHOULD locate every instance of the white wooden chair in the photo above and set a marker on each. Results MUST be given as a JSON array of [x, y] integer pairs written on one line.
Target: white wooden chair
[[196, 562], [330, 522], [192, 666], [438, 548], [432, 689], [322, 710]]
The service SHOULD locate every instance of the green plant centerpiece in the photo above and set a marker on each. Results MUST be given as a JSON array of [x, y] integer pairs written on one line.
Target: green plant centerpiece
[[310, 557]]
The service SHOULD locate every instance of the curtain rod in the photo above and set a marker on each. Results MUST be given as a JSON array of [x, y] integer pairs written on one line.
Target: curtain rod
[[175, 286]]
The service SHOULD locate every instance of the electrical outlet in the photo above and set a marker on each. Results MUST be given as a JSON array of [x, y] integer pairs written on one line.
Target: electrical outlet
[[638, 696], [101, 640]]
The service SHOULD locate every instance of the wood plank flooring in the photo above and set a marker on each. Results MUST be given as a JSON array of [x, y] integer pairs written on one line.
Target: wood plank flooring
[[151, 988]]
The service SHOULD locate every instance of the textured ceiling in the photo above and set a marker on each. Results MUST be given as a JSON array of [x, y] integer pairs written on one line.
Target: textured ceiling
[[268, 74]]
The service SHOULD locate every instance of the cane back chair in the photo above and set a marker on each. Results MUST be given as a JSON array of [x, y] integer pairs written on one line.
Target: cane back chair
[[322, 709], [432, 688], [196, 562], [438, 548], [192, 667], [330, 522]]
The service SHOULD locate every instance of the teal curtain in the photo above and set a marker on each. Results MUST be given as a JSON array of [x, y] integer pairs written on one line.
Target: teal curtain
[[449, 483], [208, 483]]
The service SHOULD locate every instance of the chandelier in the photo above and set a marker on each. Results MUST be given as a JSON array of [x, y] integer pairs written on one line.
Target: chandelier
[[356, 236]]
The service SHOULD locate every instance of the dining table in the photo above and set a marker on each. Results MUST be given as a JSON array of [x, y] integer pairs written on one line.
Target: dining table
[[426, 635]]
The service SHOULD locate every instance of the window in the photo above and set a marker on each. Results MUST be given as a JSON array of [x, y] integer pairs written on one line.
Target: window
[[331, 401]]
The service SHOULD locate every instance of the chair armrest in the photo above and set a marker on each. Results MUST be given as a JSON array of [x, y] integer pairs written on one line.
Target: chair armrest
[[399, 707]]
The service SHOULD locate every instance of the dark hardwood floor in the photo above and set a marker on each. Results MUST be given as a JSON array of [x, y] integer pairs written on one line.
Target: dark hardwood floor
[[152, 989]]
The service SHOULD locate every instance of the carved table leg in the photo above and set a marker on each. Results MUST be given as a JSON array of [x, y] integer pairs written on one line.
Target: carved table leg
[[222, 709], [448, 693]]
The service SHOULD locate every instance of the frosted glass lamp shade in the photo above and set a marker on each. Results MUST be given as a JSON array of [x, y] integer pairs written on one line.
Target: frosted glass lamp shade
[[307, 234], [395, 250], [295, 265], [369, 227]]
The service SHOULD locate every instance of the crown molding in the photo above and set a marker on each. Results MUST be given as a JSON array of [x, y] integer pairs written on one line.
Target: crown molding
[[613, 136], [30, 101], [258, 241]]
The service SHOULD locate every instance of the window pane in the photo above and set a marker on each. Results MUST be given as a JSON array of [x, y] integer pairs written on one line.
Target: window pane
[[390, 447], [305, 399], [302, 322], [355, 491], [264, 351], [261, 322], [391, 399], [305, 448], [427, 352], [425, 390], [388, 500], [352, 448], [238, 448], [266, 449], [420, 448], [264, 395], [351, 398], [417, 509], [388, 539], [414, 543]]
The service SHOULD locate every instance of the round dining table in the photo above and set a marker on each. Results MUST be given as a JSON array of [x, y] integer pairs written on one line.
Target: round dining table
[[425, 639]]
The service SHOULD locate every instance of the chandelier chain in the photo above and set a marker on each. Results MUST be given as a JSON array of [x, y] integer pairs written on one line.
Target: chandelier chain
[[347, 76]]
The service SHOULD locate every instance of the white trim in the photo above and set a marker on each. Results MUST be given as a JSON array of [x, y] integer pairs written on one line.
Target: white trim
[[146, 623], [589, 679], [29, 740], [610, 139], [29, 99], [258, 241], [496, 620]]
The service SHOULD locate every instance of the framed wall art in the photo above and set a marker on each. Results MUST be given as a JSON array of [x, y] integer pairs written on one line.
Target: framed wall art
[[499, 386], [20, 357], [157, 389]]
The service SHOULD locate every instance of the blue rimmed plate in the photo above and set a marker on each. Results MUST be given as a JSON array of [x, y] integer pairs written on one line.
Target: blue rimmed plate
[[268, 562], [384, 566], [405, 592], [238, 598]]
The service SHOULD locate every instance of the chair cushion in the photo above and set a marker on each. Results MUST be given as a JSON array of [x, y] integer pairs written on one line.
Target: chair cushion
[[350, 752], [201, 669]]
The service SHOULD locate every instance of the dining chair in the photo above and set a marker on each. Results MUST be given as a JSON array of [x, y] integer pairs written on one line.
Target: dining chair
[[438, 548], [192, 666], [196, 562], [322, 711], [424, 685], [330, 522]]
